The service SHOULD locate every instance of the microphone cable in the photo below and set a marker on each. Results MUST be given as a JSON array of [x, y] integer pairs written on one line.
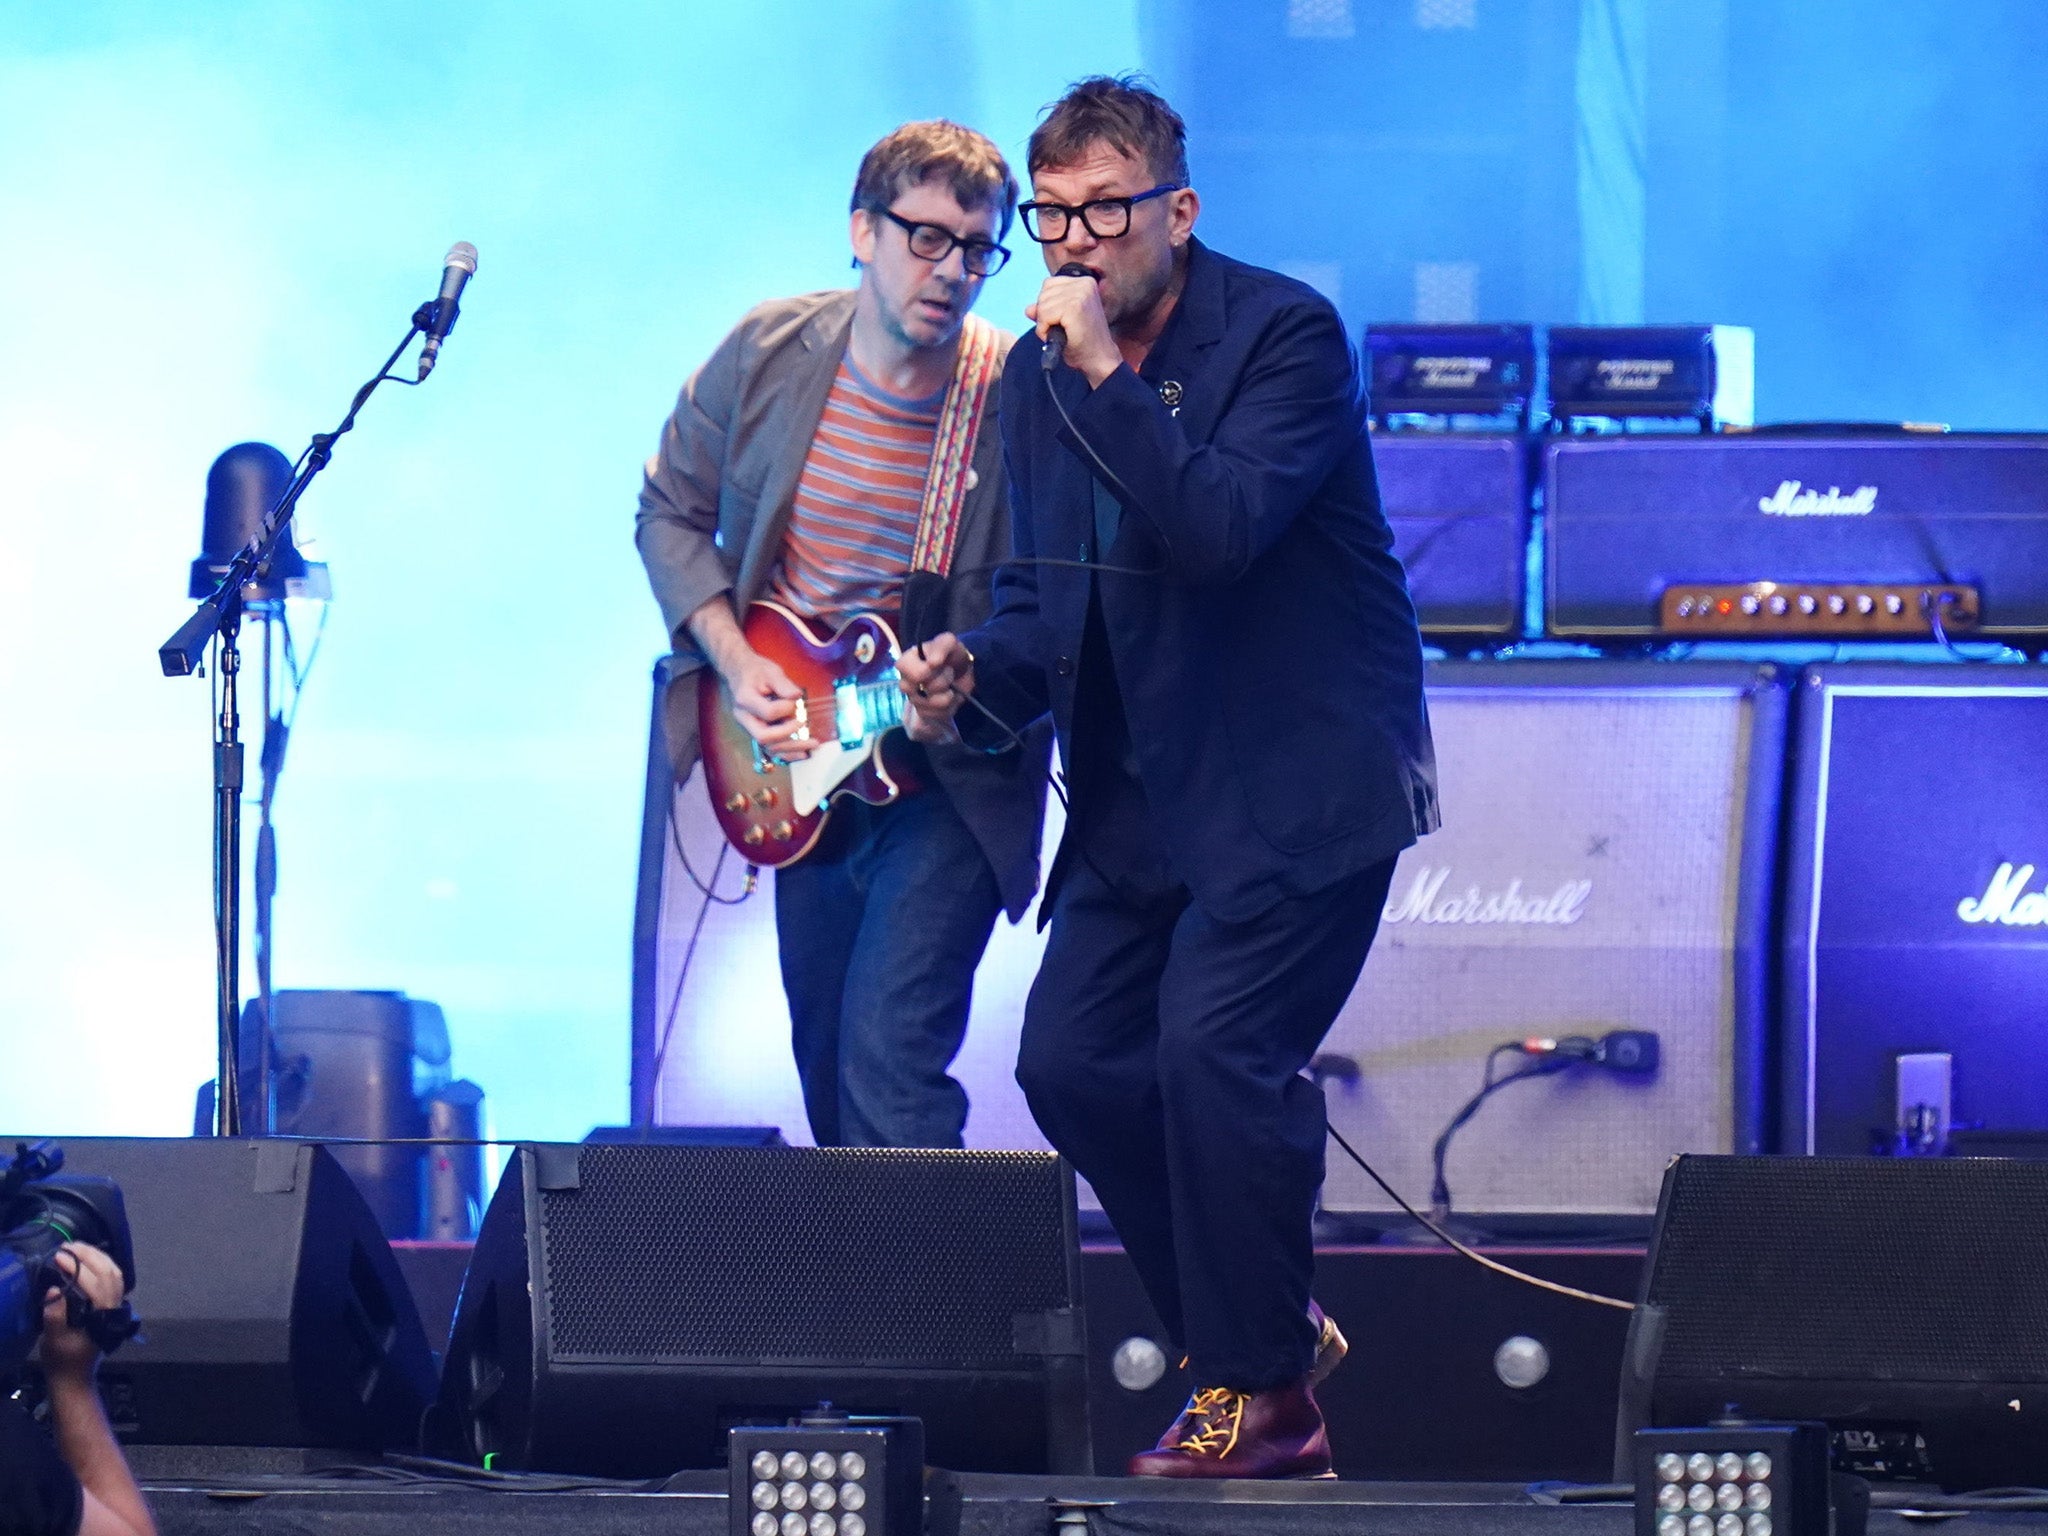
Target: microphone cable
[[1483, 1260]]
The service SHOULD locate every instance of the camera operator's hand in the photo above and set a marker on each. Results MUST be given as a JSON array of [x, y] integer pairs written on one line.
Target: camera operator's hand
[[69, 1351], [111, 1504]]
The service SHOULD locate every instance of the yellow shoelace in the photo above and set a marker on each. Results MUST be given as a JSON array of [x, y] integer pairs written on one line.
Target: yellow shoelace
[[1217, 1413]]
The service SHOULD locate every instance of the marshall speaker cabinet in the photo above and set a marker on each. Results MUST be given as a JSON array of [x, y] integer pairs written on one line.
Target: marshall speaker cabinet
[[1605, 864], [1916, 923], [1459, 508], [1736, 535]]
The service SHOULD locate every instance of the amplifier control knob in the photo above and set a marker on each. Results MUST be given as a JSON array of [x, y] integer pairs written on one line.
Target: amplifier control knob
[[1806, 602], [1865, 603], [753, 837], [1750, 603], [1837, 603], [1685, 607], [1778, 603], [1893, 603]]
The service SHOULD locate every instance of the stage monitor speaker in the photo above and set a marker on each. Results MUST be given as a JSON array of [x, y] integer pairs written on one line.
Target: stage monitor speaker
[[1916, 917], [1606, 862], [1896, 1299], [1459, 508], [628, 1304], [1627, 517], [273, 1313]]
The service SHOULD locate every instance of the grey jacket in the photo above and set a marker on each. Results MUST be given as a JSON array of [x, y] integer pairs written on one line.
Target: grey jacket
[[717, 499]]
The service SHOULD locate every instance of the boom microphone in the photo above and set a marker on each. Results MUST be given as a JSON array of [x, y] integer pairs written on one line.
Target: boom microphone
[[1055, 351], [460, 268]]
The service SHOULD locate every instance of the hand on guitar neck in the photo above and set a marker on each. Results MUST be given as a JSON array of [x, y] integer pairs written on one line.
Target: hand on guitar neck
[[764, 699], [937, 677]]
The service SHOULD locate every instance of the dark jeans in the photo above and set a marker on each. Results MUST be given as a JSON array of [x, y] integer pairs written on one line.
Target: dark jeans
[[880, 928], [1162, 1053]]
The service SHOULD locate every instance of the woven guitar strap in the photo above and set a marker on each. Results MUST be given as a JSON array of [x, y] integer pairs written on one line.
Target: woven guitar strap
[[945, 486]]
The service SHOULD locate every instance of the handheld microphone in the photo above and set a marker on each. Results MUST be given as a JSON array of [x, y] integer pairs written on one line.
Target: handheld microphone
[[460, 268], [1055, 351]]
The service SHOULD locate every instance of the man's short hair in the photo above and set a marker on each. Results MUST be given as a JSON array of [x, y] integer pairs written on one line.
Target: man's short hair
[[968, 163], [1122, 111]]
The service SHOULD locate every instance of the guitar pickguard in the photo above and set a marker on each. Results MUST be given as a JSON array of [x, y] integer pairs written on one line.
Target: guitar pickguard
[[812, 779]]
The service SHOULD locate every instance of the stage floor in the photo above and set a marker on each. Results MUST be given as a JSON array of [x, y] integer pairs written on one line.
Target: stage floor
[[985, 1506], [969, 1505]]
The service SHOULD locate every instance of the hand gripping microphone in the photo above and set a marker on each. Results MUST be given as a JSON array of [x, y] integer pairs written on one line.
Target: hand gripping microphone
[[1055, 350], [461, 267]]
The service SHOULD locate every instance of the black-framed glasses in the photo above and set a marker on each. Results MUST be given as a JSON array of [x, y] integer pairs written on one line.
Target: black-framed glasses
[[1105, 217], [934, 243]]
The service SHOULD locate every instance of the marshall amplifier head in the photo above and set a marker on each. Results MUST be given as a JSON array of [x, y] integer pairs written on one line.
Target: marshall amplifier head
[[1702, 373], [1608, 867], [1459, 507], [1916, 911], [1452, 370], [1842, 535]]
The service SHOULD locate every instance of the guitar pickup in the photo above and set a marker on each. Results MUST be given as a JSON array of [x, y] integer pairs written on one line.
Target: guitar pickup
[[851, 711]]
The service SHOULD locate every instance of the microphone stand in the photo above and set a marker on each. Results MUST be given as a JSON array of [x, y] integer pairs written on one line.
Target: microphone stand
[[217, 622], [270, 763]]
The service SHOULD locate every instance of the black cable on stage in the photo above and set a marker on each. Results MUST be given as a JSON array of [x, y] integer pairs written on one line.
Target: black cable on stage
[[1440, 1188], [711, 896], [1473, 1254]]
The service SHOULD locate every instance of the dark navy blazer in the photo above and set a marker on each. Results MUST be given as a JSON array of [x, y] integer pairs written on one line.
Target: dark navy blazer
[[1271, 669]]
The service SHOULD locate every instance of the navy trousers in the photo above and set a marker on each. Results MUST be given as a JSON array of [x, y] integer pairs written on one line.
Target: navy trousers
[[1162, 1052], [880, 928]]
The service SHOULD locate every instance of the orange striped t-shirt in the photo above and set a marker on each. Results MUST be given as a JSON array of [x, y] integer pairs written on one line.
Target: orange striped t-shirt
[[854, 523]]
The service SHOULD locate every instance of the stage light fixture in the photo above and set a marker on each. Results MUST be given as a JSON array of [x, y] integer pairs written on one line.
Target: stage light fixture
[[828, 1474], [1732, 1479]]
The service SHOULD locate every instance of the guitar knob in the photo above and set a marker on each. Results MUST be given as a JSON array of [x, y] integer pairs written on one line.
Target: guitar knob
[[764, 797], [784, 831], [753, 837], [736, 801]]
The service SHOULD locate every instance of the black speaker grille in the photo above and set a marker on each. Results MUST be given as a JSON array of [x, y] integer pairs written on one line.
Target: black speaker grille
[[757, 1255], [1871, 1269]]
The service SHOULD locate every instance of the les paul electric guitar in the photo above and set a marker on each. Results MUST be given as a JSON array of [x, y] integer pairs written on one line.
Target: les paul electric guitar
[[772, 812]]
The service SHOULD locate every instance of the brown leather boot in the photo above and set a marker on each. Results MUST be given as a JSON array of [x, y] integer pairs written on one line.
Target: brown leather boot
[[1331, 1346], [1223, 1433]]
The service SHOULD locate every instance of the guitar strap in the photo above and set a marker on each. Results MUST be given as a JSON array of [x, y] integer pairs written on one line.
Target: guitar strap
[[945, 485]]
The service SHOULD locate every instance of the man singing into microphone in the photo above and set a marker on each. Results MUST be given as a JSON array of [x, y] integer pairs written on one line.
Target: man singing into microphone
[[1232, 662], [829, 442]]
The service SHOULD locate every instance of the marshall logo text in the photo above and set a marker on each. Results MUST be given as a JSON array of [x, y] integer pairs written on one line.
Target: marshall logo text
[[1792, 500], [1426, 902], [2007, 901]]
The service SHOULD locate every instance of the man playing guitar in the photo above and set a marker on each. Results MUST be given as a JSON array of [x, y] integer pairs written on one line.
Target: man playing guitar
[[832, 443]]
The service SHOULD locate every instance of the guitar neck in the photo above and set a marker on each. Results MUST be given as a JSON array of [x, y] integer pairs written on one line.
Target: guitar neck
[[875, 706]]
